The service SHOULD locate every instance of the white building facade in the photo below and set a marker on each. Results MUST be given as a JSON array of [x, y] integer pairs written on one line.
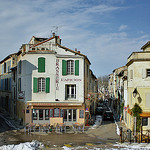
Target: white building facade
[[49, 82]]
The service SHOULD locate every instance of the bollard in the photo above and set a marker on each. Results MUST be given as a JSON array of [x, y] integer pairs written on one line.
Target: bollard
[[129, 135], [121, 129]]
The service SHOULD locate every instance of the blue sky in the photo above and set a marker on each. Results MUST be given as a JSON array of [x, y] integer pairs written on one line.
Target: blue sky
[[107, 31]]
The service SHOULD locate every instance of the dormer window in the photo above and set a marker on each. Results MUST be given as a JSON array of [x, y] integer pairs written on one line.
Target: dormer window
[[33, 48]]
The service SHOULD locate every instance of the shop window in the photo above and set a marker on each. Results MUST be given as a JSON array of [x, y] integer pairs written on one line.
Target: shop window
[[81, 115], [40, 114], [74, 115], [34, 114], [46, 114], [56, 112], [51, 113], [61, 113], [70, 114], [65, 114]]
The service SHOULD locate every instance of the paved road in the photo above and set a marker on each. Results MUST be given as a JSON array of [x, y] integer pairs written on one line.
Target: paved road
[[103, 135]]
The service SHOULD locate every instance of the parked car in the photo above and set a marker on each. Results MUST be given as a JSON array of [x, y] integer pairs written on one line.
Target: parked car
[[99, 111], [100, 104], [108, 115]]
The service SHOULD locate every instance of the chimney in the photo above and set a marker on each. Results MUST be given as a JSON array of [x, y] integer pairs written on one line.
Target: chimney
[[53, 34]]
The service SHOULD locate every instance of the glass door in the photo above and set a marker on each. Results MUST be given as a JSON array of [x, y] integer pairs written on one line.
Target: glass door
[[70, 116]]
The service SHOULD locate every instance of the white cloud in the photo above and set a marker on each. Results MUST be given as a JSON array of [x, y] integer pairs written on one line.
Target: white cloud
[[85, 25], [122, 27]]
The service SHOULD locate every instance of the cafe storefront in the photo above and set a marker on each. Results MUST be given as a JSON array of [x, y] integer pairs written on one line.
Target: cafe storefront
[[53, 113]]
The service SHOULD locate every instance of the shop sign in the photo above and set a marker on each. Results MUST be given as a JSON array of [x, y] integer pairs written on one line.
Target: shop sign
[[57, 74], [21, 95], [125, 108], [70, 80]]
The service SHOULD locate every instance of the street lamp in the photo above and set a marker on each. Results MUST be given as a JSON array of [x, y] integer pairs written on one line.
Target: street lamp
[[135, 92]]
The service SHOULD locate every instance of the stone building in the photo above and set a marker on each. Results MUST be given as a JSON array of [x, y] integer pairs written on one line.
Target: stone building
[[49, 83]]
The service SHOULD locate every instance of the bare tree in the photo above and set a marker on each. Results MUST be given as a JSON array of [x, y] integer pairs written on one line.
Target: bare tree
[[103, 81]]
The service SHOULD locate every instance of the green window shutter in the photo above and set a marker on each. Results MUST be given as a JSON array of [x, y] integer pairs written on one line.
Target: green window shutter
[[64, 67], [76, 67], [41, 64], [47, 85], [35, 85]]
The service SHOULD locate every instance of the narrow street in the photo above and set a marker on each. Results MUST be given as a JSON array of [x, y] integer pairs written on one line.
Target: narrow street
[[103, 136], [106, 133]]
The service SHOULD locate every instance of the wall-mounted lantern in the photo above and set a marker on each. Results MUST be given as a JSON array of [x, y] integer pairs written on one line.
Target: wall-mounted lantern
[[135, 92]]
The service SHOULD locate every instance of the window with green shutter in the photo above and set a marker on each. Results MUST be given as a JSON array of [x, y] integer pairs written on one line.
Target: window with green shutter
[[35, 85], [64, 67], [70, 67], [76, 67], [41, 64], [47, 85]]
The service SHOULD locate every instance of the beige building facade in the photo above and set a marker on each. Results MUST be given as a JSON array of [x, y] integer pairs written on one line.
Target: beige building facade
[[139, 82]]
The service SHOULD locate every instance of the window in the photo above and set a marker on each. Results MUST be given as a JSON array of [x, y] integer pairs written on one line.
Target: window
[[74, 115], [131, 74], [46, 114], [145, 121], [8, 66], [41, 64], [81, 114], [34, 114], [41, 84], [70, 115], [65, 114], [51, 113], [40, 114], [56, 112], [4, 67], [147, 104], [70, 91], [61, 113], [19, 67], [148, 72], [19, 84], [14, 93], [70, 67]]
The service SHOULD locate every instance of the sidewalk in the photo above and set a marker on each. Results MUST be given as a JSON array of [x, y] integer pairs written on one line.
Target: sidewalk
[[10, 121]]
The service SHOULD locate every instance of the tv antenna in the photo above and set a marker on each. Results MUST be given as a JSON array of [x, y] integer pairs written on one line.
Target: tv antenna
[[55, 30]]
